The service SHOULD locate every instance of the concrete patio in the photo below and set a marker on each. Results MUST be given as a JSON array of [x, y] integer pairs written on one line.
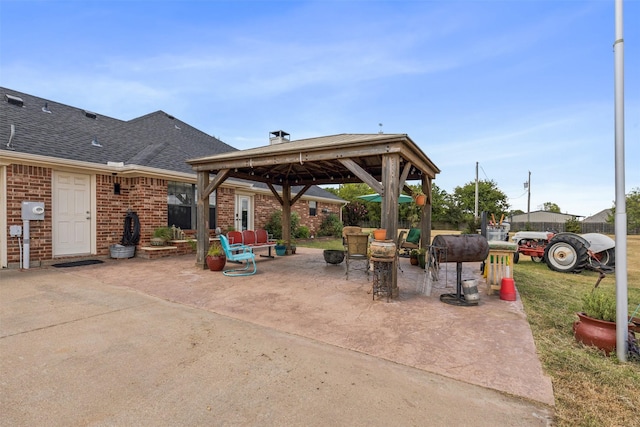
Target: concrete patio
[[489, 345]]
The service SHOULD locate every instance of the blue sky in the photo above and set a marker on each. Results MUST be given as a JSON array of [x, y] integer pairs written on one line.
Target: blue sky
[[515, 85]]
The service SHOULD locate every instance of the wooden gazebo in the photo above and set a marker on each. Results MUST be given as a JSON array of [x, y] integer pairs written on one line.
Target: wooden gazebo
[[383, 161]]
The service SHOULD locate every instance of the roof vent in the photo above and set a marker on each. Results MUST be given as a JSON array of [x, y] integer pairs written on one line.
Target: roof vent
[[95, 142], [278, 137], [90, 114], [14, 100], [45, 109]]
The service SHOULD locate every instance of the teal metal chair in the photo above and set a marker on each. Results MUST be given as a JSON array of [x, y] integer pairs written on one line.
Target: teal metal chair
[[238, 253]]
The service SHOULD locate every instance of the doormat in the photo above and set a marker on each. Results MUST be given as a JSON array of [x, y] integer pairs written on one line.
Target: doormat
[[77, 263]]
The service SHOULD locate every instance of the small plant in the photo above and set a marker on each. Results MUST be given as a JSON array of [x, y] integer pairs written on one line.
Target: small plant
[[599, 305], [215, 250], [164, 233], [414, 253], [192, 244], [280, 242]]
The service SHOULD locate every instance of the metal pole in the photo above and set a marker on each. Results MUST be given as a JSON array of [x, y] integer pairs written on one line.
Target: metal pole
[[529, 199], [621, 213]]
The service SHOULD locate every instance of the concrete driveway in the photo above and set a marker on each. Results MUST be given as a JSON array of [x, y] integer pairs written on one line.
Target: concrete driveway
[[160, 342]]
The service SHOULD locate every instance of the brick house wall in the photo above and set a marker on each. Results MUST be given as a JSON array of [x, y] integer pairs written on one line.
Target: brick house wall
[[144, 195], [29, 183]]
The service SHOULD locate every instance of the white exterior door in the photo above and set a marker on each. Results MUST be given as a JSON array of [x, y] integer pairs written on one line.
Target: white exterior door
[[71, 214], [244, 213]]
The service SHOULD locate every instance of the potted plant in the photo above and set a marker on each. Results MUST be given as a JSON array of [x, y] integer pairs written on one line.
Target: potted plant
[[160, 236], [216, 258], [281, 248], [413, 257], [596, 324], [420, 198]]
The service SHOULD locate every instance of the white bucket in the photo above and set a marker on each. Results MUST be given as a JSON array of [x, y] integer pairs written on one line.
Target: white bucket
[[470, 289]]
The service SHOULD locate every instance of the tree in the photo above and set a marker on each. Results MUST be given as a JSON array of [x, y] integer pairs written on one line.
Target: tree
[[551, 207], [490, 199], [632, 205]]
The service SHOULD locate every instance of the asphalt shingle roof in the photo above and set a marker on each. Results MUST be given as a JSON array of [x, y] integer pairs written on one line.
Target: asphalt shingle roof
[[155, 140]]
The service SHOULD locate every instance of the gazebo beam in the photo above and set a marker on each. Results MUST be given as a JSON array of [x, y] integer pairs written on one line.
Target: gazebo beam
[[362, 174]]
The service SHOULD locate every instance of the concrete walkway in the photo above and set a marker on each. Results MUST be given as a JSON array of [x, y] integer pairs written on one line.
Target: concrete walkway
[[161, 342]]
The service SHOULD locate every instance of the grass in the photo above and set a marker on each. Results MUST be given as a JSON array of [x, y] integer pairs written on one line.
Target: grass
[[590, 389]]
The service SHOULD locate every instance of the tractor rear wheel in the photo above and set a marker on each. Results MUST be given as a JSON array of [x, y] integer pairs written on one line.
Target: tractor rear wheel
[[566, 254]]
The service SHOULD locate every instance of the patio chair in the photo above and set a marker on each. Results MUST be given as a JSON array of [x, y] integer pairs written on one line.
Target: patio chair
[[235, 237], [412, 241], [238, 253], [349, 229], [357, 252]]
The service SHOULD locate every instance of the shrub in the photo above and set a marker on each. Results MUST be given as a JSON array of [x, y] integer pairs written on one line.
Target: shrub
[[302, 232], [331, 226], [354, 213], [572, 226], [274, 225]]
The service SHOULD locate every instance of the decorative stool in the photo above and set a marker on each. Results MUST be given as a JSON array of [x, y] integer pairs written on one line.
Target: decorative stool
[[382, 276]]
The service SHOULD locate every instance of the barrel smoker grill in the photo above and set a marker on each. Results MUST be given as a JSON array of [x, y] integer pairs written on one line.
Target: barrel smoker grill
[[460, 248]]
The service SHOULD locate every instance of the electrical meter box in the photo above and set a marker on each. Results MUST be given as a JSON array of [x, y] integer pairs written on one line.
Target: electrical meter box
[[33, 211]]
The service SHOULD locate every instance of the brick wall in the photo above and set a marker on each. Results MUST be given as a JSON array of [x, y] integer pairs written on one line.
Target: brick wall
[[143, 195], [147, 197], [29, 183]]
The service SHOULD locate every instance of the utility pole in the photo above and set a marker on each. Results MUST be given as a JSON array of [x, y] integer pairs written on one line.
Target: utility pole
[[476, 211]]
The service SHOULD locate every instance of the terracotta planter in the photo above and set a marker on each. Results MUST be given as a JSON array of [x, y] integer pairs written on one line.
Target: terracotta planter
[[216, 263], [413, 260], [380, 234], [598, 333], [421, 200]]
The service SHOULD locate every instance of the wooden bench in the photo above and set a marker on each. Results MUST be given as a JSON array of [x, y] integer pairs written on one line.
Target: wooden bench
[[254, 239]]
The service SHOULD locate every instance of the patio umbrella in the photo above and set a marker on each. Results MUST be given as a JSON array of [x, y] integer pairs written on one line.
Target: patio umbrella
[[403, 198]]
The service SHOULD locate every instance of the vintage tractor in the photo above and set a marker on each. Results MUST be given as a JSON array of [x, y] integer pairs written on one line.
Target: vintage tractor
[[567, 252]]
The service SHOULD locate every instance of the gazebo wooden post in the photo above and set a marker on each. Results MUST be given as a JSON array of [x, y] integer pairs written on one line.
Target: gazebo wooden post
[[389, 213], [202, 219], [286, 214], [425, 219]]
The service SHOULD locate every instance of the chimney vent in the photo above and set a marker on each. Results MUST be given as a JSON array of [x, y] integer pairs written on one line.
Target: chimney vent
[[278, 137]]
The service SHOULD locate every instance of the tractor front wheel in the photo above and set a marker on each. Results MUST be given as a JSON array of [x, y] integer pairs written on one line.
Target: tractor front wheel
[[566, 254], [536, 258]]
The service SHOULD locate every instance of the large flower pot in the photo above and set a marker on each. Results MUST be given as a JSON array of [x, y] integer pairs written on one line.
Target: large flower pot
[[333, 256], [216, 263], [598, 333], [281, 250]]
